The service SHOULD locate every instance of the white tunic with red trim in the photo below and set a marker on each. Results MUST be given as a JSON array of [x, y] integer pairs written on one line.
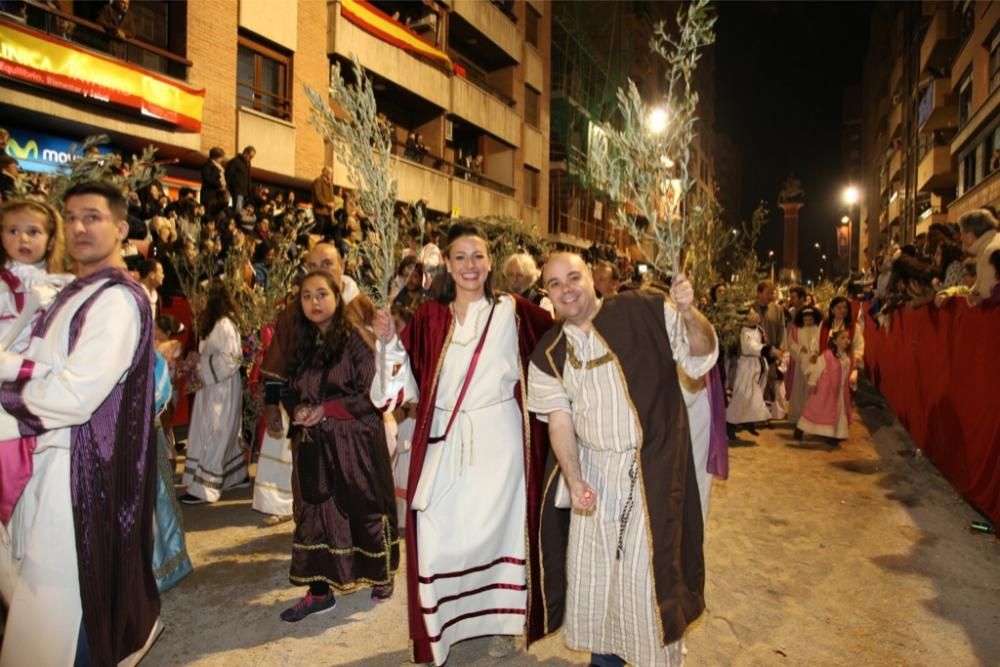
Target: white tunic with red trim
[[26, 292], [470, 530]]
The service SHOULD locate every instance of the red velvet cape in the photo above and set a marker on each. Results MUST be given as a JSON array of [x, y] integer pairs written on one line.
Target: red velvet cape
[[425, 339]]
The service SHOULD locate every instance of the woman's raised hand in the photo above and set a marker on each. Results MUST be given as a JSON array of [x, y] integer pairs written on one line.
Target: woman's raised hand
[[383, 326]]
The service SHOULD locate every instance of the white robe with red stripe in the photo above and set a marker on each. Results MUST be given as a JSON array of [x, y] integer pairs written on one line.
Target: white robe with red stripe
[[471, 495]]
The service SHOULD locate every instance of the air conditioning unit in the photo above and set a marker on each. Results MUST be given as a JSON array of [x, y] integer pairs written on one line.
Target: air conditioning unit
[[448, 128]]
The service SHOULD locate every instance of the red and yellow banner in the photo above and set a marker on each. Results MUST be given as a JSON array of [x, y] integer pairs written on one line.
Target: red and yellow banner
[[375, 22], [43, 60]]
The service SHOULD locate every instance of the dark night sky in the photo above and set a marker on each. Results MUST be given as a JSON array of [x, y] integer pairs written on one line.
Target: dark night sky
[[780, 73]]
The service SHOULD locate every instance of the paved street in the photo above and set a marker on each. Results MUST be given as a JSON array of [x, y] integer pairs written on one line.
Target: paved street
[[859, 556]]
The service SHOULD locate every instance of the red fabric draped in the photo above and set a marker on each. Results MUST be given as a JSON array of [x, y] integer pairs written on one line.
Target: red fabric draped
[[938, 368]]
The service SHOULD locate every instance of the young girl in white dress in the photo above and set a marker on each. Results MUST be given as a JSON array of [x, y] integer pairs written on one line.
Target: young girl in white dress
[[31, 254], [747, 407], [831, 378], [32, 261]]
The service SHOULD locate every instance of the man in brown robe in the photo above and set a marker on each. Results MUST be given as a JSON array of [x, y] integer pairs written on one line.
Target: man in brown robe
[[607, 383]]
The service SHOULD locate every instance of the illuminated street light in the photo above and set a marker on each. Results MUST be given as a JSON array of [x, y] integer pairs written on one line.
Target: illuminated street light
[[770, 253], [845, 220], [851, 195], [816, 245], [657, 121], [824, 258]]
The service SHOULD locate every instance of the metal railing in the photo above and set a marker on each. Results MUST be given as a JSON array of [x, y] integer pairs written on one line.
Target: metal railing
[[87, 34], [449, 168]]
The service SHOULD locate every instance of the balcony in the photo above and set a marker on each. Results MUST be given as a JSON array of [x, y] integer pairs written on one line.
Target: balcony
[[895, 164], [418, 182], [928, 218], [487, 19], [938, 47], [474, 200], [895, 207], [938, 109], [387, 60], [896, 121], [484, 110], [896, 77], [935, 170]]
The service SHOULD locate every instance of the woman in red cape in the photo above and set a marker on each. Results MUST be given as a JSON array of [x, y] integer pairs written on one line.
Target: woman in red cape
[[477, 459]]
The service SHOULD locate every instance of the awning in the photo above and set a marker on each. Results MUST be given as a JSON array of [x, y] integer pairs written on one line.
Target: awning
[[377, 23]]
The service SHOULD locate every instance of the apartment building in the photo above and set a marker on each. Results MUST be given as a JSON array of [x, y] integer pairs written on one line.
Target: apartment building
[[470, 77], [187, 76], [596, 48], [931, 126]]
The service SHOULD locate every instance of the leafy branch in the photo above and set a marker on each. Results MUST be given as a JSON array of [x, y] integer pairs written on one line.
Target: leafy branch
[[364, 146]]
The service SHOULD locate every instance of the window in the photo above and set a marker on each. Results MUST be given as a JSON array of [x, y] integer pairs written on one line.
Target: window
[[263, 80], [532, 104], [995, 62], [964, 100], [967, 177], [531, 186], [531, 20]]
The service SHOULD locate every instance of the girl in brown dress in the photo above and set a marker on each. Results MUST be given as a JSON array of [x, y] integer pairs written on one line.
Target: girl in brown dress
[[345, 526]]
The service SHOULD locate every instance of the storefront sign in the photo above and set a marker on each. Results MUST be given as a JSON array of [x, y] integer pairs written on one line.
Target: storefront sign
[[38, 152], [43, 60]]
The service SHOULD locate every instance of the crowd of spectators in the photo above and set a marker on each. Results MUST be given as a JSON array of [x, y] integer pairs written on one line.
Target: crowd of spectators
[[950, 260]]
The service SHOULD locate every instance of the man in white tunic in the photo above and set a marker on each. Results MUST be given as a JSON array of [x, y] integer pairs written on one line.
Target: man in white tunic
[[607, 383], [76, 566]]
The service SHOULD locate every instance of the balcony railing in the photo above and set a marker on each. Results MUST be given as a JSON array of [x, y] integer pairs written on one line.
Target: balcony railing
[[479, 78], [428, 159], [81, 32], [937, 49]]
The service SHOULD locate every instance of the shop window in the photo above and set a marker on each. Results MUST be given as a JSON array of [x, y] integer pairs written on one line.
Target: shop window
[[264, 79]]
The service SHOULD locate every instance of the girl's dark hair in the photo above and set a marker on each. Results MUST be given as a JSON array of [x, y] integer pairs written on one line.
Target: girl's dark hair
[[837, 300], [168, 325], [831, 342], [800, 316], [950, 252], [219, 304], [314, 348], [459, 229], [714, 292]]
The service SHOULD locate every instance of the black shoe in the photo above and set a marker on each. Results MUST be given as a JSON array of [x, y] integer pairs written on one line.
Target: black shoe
[[308, 605], [191, 499], [797, 434], [753, 430], [382, 592]]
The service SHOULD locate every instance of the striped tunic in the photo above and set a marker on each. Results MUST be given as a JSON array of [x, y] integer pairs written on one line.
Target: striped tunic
[[610, 603]]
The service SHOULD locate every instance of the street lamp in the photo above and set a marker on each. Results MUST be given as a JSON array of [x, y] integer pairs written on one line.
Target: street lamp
[[851, 195], [657, 120], [851, 198]]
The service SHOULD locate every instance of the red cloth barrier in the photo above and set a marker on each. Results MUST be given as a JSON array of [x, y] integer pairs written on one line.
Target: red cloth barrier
[[939, 370], [179, 308]]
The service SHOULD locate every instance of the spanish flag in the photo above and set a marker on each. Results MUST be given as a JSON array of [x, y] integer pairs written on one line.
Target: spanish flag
[[375, 22]]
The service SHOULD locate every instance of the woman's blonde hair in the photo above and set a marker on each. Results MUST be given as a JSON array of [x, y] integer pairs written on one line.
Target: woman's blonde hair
[[55, 252]]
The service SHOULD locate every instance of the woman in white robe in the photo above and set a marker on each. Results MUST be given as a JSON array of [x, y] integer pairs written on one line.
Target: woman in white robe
[[215, 460], [470, 500]]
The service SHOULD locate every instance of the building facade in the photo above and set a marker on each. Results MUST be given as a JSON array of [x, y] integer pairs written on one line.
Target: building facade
[[931, 124], [471, 78]]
